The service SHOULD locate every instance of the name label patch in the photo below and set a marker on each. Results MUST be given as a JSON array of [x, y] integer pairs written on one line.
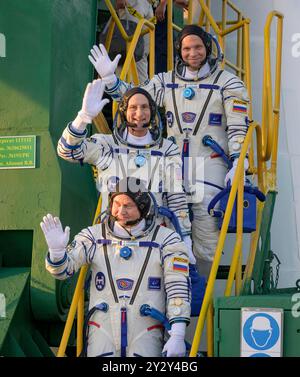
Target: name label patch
[[215, 119], [154, 283]]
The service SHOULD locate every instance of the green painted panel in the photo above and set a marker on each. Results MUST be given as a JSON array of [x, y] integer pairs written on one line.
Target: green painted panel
[[42, 80], [228, 316], [228, 344], [19, 335], [20, 241]]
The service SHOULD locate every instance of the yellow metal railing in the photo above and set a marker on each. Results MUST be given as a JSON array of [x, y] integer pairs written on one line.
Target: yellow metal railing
[[77, 304], [270, 112], [266, 148], [170, 58], [129, 67], [269, 130], [143, 27], [237, 186]]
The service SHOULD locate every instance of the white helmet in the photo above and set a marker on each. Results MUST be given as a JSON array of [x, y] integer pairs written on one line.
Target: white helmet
[[261, 324]]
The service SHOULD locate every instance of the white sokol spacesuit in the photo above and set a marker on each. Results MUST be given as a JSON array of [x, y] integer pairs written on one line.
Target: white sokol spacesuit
[[210, 101], [157, 162], [148, 266], [140, 9]]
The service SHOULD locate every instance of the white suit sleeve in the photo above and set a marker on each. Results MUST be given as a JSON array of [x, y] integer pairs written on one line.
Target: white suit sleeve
[[75, 147], [176, 277], [81, 251], [236, 102]]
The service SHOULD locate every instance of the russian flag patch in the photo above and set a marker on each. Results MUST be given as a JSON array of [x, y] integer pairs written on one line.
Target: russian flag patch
[[239, 107], [180, 264]]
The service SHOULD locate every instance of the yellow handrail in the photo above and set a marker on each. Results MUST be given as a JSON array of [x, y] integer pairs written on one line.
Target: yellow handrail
[[80, 321], [270, 112], [77, 303], [143, 27], [239, 239], [72, 312], [212, 277], [130, 53], [210, 17], [210, 330], [170, 59]]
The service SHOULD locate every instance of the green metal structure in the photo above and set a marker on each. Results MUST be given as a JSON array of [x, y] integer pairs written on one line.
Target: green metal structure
[[42, 78], [260, 291], [227, 322]]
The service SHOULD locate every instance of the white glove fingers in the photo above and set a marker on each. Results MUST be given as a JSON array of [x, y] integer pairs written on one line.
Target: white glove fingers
[[67, 234], [103, 50], [51, 223], [116, 60], [87, 93], [97, 52], [104, 102], [97, 85], [95, 95], [95, 55], [100, 89], [92, 60], [43, 227], [87, 89], [46, 223], [58, 224]]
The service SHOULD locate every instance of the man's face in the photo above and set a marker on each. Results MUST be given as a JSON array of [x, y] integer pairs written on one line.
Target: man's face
[[193, 51], [124, 209], [138, 112]]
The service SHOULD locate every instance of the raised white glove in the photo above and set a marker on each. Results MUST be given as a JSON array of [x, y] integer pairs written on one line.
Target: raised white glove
[[188, 242], [92, 104], [103, 65], [56, 238], [175, 346], [231, 172]]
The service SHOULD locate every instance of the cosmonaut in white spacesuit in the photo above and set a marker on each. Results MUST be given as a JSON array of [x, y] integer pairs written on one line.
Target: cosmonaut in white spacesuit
[[136, 148], [200, 99], [134, 262], [134, 10]]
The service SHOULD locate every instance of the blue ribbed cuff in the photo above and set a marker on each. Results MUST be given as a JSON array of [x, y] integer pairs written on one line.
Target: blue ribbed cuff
[[75, 132], [179, 319], [56, 264], [114, 88]]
